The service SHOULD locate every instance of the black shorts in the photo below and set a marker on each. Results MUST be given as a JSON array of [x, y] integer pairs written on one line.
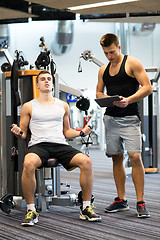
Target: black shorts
[[62, 152]]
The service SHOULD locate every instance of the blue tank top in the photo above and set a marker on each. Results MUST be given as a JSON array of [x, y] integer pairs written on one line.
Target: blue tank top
[[123, 85]]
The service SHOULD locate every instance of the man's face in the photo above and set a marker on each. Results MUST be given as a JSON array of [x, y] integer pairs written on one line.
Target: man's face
[[45, 82], [112, 52]]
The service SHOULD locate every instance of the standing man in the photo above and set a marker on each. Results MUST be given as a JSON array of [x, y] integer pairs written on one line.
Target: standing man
[[48, 120], [122, 76]]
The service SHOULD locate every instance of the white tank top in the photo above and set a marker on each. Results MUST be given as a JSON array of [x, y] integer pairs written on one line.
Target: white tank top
[[46, 123]]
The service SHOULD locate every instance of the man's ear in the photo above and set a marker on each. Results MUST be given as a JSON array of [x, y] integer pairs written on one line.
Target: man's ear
[[37, 85]]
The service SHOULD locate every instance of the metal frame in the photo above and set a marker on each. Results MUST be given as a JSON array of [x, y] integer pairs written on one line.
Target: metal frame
[[156, 107], [3, 161], [7, 55]]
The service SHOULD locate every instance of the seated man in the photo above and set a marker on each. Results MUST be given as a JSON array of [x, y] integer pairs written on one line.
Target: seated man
[[48, 120]]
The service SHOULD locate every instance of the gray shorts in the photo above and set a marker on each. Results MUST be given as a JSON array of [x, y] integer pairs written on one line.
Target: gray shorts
[[122, 133]]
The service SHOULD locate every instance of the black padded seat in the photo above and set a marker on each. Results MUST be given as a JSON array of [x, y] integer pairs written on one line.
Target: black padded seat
[[52, 162]]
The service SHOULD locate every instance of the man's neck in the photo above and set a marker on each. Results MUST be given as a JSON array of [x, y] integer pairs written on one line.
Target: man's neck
[[118, 60], [45, 98]]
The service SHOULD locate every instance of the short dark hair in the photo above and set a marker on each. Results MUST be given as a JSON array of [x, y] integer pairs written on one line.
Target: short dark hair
[[108, 39], [42, 72]]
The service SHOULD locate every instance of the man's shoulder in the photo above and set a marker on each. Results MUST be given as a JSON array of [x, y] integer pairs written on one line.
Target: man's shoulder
[[27, 105], [131, 59], [133, 63], [103, 68], [57, 100], [62, 103]]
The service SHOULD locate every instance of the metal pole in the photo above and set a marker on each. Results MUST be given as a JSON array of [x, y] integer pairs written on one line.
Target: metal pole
[[158, 126], [56, 171], [123, 38], [3, 139]]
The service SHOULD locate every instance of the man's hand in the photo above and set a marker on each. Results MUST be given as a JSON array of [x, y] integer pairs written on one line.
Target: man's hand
[[16, 130], [86, 130], [122, 103]]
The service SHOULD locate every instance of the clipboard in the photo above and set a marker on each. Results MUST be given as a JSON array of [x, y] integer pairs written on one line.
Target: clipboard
[[107, 101]]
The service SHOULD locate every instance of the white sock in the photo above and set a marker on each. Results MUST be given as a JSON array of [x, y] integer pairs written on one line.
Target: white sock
[[31, 207], [86, 204]]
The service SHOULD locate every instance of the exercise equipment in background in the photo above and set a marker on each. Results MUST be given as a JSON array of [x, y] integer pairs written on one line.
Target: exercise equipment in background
[[83, 104]]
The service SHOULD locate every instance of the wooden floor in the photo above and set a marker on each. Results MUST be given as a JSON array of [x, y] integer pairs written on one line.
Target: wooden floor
[[63, 223]]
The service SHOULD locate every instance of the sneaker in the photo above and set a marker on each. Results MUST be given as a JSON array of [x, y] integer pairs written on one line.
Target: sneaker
[[30, 219], [142, 211], [89, 214], [118, 205]]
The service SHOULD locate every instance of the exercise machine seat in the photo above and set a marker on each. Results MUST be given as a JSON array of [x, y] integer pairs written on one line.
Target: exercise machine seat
[[52, 162]]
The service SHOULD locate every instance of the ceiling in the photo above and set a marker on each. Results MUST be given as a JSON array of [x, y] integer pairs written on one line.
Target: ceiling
[[19, 11]]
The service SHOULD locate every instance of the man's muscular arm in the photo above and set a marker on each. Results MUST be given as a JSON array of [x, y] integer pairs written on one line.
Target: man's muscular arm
[[21, 131], [137, 71], [100, 84], [69, 132]]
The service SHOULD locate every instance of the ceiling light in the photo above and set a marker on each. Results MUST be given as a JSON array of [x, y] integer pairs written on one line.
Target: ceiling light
[[100, 4]]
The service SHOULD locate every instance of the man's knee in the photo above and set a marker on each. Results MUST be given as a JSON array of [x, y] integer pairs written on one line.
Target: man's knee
[[86, 162], [30, 163], [118, 158], [81, 161], [135, 159], [28, 167]]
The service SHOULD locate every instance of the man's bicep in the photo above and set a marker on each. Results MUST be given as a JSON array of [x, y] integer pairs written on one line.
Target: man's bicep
[[139, 72], [100, 84], [141, 76], [25, 118], [66, 118]]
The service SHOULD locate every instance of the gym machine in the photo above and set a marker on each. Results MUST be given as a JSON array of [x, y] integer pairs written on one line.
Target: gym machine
[[48, 178], [83, 104], [151, 125], [48, 191], [150, 117], [88, 56]]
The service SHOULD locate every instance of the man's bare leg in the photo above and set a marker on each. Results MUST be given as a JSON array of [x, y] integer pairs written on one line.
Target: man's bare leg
[[120, 203], [119, 175], [86, 175], [137, 174], [31, 162], [86, 182]]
